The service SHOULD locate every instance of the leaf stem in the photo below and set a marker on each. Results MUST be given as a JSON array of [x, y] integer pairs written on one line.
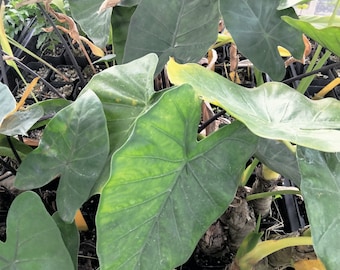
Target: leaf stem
[[268, 247], [293, 191]]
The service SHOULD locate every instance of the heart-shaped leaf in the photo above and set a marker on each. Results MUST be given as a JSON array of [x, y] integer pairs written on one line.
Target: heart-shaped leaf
[[166, 188], [75, 147], [320, 187], [258, 30], [318, 29], [33, 238], [273, 110], [171, 28]]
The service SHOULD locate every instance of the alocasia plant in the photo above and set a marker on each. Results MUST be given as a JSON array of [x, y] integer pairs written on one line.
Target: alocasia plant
[[160, 186]]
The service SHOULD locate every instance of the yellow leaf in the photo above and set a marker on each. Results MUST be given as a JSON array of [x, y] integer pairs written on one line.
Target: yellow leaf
[[80, 221], [175, 72], [283, 52], [3, 38], [28, 90], [309, 265], [95, 50]]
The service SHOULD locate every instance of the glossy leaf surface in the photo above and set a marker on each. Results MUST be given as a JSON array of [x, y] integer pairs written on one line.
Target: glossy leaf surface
[[273, 110], [166, 188], [96, 25], [33, 238], [318, 29], [320, 187], [257, 30], [75, 147], [172, 28]]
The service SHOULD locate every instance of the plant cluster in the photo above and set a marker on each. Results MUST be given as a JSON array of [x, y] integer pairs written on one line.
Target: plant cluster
[[161, 184]]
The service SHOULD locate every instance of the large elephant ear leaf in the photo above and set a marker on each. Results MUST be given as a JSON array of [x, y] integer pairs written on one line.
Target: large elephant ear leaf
[[258, 30], [172, 28], [272, 110], [74, 146], [319, 29], [320, 187], [33, 238], [158, 176]]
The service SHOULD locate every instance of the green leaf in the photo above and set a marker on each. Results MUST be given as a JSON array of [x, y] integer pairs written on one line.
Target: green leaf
[[318, 29], [273, 110], [50, 108], [7, 104], [166, 188], [257, 30], [21, 121], [96, 25], [75, 147], [320, 188], [182, 29], [33, 238], [21, 148], [248, 244], [120, 25], [126, 91], [279, 158], [70, 236]]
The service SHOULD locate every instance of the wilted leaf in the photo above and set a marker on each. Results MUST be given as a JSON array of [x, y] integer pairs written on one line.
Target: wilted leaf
[[309, 265]]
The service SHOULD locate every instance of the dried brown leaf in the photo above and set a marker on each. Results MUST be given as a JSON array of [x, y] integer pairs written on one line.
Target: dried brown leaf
[[108, 4]]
